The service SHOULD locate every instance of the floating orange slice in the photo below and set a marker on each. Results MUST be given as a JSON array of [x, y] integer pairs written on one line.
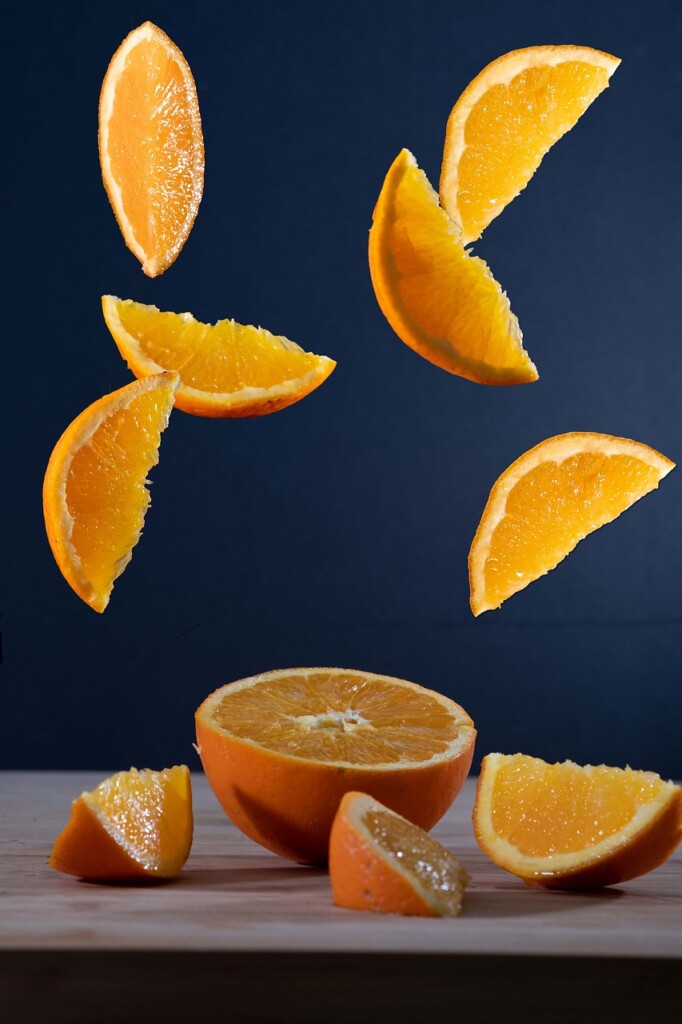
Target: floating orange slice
[[151, 148], [380, 861], [226, 370], [281, 749], [134, 825], [94, 494], [507, 119], [568, 827], [549, 500], [442, 302]]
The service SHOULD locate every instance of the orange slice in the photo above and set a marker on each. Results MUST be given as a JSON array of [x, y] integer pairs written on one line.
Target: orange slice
[[281, 749], [507, 119], [151, 149], [226, 370], [94, 494], [567, 827], [442, 302], [134, 825], [380, 861], [549, 500]]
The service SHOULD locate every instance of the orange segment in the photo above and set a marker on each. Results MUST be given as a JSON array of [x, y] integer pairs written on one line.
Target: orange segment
[[549, 500], [226, 370], [136, 824], [565, 826], [442, 302], [151, 147], [507, 119], [94, 493], [281, 749], [380, 861]]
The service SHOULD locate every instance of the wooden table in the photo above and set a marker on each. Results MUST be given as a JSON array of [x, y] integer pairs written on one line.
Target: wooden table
[[243, 936]]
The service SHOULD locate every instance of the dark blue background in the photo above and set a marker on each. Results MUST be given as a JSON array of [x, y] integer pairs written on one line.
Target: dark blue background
[[336, 532]]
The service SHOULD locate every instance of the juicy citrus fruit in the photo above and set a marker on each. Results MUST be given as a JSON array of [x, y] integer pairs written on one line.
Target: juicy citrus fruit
[[507, 119], [380, 861], [442, 302], [567, 827], [547, 501], [281, 749], [226, 369], [136, 824], [94, 494], [151, 149]]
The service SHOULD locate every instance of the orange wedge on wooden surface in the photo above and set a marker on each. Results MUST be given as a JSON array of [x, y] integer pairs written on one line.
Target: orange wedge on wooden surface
[[507, 119], [442, 302], [94, 493], [151, 147], [549, 500], [380, 861], [226, 369], [281, 749], [134, 825], [567, 827]]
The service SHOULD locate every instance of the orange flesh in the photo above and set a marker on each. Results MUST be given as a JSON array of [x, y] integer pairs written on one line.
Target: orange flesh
[[506, 136], [546, 809], [343, 718], [552, 508]]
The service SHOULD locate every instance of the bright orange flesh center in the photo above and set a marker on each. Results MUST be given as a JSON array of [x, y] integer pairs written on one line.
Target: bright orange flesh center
[[546, 809], [343, 718]]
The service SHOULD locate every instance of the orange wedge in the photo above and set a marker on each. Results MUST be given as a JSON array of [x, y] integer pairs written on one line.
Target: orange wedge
[[151, 148], [549, 500], [281, 749], [380, 861], [94, 494], [507, 119], [226, 370], [134, 825], [563, 826], [442, 302]]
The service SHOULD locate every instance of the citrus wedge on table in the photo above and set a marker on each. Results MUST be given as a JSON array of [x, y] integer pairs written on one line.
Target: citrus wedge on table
[[281, 749], [380, 861], [507, 119], [94, 494], [134, 825], [442, 302], [550, 499], [226, 369], [570, 827], [151, 146]]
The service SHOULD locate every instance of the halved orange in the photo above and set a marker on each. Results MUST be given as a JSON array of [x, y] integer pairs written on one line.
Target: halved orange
[[380, 861], [151, 147], [549, 500], [564, 826], [94, 494], [507, 119], [280, 750], [442, 302], [134, 825], [226, 370]]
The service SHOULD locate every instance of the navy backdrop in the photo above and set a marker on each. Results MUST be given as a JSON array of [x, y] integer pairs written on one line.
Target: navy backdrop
[[337, 532]]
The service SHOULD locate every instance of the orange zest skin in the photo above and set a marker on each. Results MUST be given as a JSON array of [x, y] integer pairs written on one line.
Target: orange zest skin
[[133, 826], [507, 119], [226, 370], [94, 494], [441, 301], [281, 749], [548, 500], [379, 861], [151, 146], [563, 826]]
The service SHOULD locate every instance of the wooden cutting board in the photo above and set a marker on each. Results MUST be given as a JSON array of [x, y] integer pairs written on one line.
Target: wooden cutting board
[[245, 936]]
